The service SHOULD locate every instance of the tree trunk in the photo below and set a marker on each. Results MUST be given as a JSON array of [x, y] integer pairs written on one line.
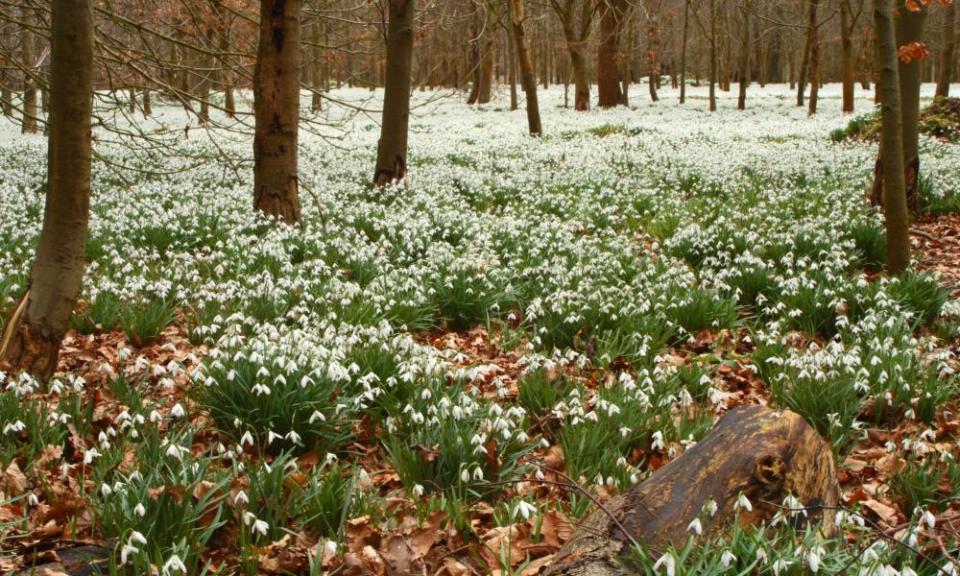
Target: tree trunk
[[713, 56], [392, 149], [683, 51], [608, 53], [527, 79], [946, 57], [814, 73], [276, 96], [908, 29], [892, 181], [476, 50], [512, 68], [763, 454], [28, 40], [31, 340], [581, 79], [229, 105], [147, 103], [846, 56], [653, 56], [745, 9], [485, 91]]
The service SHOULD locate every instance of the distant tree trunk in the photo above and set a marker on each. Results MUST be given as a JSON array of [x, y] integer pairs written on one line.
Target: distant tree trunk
[[392, 149], [512, 68], [33, 333], [147, 103], [805, 60], [653, 56], [683, 51], [132, 100], [203, 85], [28, 48], [891, 167], [713, 56], [946, 56], [847, 24], [229, 105], [316, 67], [6, 97], [744, 73], [576, 34], [608, 53], [814, 58], [487, 43], [527, 79], [276, 96]]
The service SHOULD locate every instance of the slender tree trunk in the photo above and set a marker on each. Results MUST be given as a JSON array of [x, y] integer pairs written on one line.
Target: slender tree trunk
[[908, 26], [608, 53], [476, 50], [485, 93], [946, 56], [229, 105], [512, 68], [683, 51], [316, 67], [131, 100], [846, 56], [392, 149], [713, 56], [147, 103], [527, 79], [32, 336], [276, 95], [814, 58], [894, 196], [805, 61], [745, 9], [653, 56], [28, 48]]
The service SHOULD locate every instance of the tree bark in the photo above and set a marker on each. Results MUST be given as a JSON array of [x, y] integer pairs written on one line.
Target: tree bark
[[755, 451], [653, 56], [946, 56], [908, 26], [31, 339], [683, 51], [276, 96], [893, 184], [745, 9], [713, 56], [527, 79], [392, 149], [608, 53], [814, 73], [485, 89], [512, 67], [847, 25], [28, 48]]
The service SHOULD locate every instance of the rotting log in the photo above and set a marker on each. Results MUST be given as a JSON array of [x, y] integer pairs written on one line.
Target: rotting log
[[764, 454]]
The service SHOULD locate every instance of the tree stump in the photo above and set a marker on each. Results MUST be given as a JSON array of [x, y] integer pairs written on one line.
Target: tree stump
[[762, 453]]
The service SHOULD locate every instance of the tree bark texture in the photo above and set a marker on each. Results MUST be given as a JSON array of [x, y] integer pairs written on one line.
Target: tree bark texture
[[527, 79], [392, 149], [756, 451], [949, 45], [608, 53], [814, 73], [32, 336], [276, 95]]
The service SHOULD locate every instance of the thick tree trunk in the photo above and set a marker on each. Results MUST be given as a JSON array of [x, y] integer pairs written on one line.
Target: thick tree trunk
[[946, 56], [392, 149], [31, 339], [683, 51], [814, 73], [763, 454], [893, 184], [744, 82], [487, 43], [276, 96], [527, 79], [608, 53], [846, 56], [581, 79]]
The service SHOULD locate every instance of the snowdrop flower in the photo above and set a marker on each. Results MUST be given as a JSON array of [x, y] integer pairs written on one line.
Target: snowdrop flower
[[667, 562], [710, 507], [417, 490], [90, 455], [780, 565], [695, 526], [241, 498], [246, 439], [524, 509], [139, 510], [126, 551], [174, 564], [657, 441], [743, 503], [929, 519], [813, 559], [177, 411], [727, 558]]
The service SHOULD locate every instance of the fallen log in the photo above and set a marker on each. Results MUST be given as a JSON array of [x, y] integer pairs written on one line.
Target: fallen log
[[764, 454]]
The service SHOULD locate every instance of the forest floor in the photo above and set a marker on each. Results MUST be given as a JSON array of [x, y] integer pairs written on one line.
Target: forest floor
[[405, 384]]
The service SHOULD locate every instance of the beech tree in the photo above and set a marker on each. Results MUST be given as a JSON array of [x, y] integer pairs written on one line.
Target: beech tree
[[276, 96], [37, 323], [949, 43], [576, 20], [893, 183], [527, 79], [611, 13], [850, 13], [392, 148]]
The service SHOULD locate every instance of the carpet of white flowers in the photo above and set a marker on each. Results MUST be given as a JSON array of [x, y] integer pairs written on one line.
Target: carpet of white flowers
[[394, 387]]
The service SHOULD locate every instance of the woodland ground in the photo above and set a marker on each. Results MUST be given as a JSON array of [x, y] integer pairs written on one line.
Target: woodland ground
[[393, 387]]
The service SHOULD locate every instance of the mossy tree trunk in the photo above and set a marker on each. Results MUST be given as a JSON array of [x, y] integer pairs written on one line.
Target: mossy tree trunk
[[276, 97], [37, 324], [392, 149], [761, 453]]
